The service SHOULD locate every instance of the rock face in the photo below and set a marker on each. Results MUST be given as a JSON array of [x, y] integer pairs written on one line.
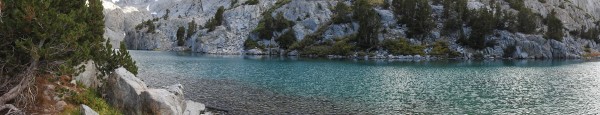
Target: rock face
[[309, 16], [89, 77], [123, 89], [130, 94]]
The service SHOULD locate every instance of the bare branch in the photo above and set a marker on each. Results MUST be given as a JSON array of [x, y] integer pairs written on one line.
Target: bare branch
[[12, 108], [26, 81]]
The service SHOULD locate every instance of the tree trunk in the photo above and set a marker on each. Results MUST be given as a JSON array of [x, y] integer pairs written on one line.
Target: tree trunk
[[26, 81]]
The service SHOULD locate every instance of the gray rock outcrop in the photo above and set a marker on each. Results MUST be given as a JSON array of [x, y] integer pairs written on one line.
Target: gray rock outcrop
[[89, 76], [241, 19], [122, 91], [130, 94]]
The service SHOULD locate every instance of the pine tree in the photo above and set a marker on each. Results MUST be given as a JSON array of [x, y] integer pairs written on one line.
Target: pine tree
[[212, 24], [555, 27], [416, 14], [180, 36], [342, 12], [36, 36], [192, 27], [527, 21], [369, 23]]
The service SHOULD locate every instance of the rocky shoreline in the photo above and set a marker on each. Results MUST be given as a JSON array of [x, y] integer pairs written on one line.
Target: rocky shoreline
[[235, 97], [132, 96]]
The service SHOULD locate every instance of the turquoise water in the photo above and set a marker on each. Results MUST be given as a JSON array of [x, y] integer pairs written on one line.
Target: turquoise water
[[391, 87]]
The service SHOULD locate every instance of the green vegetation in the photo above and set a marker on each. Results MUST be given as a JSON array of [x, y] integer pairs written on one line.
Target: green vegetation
[[518, 5], [338, 46], [555, 27], [591, 34], [287, 39], [180, 35], [109, 60], [527, 21], [192, 28], [482, 24], [251, 44], [342, 13], [268, 25], [166, 16], [442, 49], [416, 14], [369, 24], [37, 38], [401, 47], [509, 51], [212, 24], [251, 2], [149, 24], [342, 47], [455, 12], [92, 99]]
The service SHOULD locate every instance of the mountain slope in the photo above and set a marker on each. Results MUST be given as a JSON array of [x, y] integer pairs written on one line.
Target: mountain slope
[[314, 18]]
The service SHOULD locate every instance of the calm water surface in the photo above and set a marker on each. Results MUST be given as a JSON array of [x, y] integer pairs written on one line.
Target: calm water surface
[[384, 87]]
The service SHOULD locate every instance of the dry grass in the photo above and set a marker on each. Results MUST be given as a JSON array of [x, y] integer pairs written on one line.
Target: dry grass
[[73, 94]]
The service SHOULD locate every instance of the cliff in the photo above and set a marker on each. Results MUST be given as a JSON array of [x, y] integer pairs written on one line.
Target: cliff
[[129, 21]]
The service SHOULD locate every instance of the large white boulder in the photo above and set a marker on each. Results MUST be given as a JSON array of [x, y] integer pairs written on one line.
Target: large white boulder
[[130, 94], [162, 102], [89, 76], [123, 90]]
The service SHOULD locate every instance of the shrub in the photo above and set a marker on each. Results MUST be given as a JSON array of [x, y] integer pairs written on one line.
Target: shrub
[[180, 35], [509, 51], [92, 99], [166, 16], [342, 47], [287, 39], [402, 47], [318, 50], [251, 2], [342, 12], [442, 49], [251, 44], [516, 4], [307, 41]]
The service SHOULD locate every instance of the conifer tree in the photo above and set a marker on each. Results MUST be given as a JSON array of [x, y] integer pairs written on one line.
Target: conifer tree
[[555, 27], [180, 36], [369, 23], [416, 14]]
